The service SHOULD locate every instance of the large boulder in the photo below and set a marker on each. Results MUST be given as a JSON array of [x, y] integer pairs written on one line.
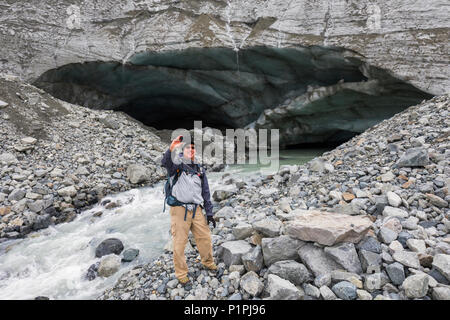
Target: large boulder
[[253, 260], [232, 251], [328, 228], [416, 286], [280, 248], [109, 246], [137, 173], [109, 265]]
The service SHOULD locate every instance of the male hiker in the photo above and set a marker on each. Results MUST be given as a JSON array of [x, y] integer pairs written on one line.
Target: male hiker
[[187, 192]]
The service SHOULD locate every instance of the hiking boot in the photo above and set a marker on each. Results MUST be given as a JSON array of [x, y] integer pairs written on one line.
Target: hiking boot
[[211, 267], [184, 280]]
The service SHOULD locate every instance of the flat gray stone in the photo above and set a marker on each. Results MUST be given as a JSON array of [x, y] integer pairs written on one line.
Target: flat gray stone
[[268, 227], [406, 258], [281, 289], [442, 263], [396, 273], [345, 290]]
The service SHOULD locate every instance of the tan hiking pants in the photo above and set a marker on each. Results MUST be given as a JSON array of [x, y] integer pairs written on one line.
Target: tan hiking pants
[[180, 231]]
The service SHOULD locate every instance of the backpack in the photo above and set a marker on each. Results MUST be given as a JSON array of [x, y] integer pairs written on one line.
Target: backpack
[[169, 198]]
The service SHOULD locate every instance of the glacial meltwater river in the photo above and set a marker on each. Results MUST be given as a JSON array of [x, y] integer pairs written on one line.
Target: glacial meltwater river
[[53, 262]]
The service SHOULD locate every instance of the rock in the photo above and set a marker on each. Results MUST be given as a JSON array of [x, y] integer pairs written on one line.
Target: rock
[[396, 273], [224, 193], [137, 173], [370, 244], [253, 261], [225, 213], [42, 222], [323, 280], [28, 140], [280, 248], [16, 195], [409, 259], [416, 286], [345, 290], [441, 293], [316, 260], [233, 251], [363, 295], [442, 263], [311, 290], [281, 289], [242, 231], [414, 157], [328, 228], [129, 255], [291, 270], [394, 212], [69, 191], [326, 293], [109, 265], [92, 271], [388, 176], [347, 196], [387, 235], [7, 158], [339, 275], [109, 246], [425, 260], [268, 227], [416, 245], [251, 284], [3, 104], [393, 199], [345, 254], [437, 201], [369, 260]]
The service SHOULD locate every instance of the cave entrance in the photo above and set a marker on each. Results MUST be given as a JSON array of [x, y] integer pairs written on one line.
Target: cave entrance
[[311, 94]]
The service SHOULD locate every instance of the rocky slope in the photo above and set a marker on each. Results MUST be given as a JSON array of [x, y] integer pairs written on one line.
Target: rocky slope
[[367, 220], [57, 158]]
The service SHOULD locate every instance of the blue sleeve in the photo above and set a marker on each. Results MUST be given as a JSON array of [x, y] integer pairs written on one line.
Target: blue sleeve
[[206, 195], [167, 163]]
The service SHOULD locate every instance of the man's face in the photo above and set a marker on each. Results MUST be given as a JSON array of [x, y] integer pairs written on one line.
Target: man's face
[[189, 152]]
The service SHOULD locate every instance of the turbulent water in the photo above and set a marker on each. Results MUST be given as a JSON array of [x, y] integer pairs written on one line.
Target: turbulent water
[[53, 262]]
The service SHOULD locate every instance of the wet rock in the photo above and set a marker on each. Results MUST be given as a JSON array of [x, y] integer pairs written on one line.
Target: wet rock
[[109, 246], [129, 255], [92, 271], [109, 265], [328, 228]]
